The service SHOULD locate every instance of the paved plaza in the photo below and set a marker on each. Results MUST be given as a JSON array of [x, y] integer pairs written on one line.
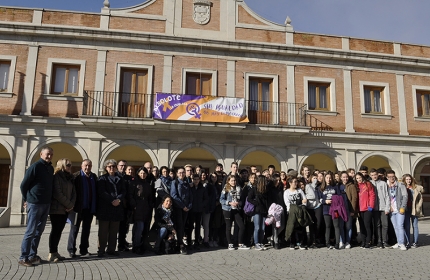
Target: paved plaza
[[355, 263]]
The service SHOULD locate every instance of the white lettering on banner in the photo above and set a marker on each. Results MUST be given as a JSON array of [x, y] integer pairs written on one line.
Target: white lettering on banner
[[167, 99]]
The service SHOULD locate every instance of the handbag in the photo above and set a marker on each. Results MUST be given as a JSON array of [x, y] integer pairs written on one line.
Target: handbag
[[249, 208]]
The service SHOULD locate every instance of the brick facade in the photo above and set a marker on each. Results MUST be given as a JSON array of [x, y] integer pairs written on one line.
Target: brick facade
[[137, 24], [371, 46], [155, 8], [319, 41], [17, 15], [71, 19]]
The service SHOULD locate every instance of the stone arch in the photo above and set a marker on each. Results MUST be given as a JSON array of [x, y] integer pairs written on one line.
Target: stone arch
[[9, 149], [418, 166], [339, 162], [391, 161], [174, 154], [269, 150], [115, 145], [5, 174], [49, 141]]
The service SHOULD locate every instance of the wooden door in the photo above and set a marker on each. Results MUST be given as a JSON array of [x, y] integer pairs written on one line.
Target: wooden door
[[4, 184]]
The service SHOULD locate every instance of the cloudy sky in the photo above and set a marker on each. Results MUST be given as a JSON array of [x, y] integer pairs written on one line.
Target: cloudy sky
[[405, 21]]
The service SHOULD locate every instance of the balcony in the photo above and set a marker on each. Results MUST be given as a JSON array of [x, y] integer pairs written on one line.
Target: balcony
[[140, 106]]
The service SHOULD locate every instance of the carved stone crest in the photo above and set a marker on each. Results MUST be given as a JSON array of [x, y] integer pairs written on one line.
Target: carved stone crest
[[202, 11]]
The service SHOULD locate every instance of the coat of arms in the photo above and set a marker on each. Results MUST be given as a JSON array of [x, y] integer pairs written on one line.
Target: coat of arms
[[202, 11]]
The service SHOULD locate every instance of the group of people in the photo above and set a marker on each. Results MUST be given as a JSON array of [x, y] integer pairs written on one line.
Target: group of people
[[242, 209]]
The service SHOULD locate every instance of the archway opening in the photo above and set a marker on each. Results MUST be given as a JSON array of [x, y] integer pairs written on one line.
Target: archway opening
[[422, 175], [134, 155], [321, 162], [63, 150], [4, 175], [376, 162], [261, 160], [196, 156]]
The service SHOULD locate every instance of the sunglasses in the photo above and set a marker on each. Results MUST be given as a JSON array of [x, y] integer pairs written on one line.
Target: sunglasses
[[69, 165]]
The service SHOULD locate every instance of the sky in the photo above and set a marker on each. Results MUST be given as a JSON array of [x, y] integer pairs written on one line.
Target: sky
[[402, 21]]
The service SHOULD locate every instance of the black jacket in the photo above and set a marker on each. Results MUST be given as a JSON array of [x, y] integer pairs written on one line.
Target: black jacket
[[259, 200], [140, 200], [107, 192], [80, 192]]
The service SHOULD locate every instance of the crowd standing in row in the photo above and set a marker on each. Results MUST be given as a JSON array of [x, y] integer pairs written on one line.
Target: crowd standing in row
[[260, 208]]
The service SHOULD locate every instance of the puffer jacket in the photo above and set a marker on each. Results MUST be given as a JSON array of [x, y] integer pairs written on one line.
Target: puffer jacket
[[366, 196], [64, 193], [417, 202]]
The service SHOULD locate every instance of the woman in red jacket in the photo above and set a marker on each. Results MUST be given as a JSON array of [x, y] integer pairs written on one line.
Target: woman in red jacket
[[366, 202]]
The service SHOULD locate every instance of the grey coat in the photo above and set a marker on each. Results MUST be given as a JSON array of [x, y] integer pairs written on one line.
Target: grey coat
[[382, 198]]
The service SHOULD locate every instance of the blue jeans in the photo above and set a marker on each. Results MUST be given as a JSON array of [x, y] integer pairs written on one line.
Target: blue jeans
[[398, 221], [138, 227], [409, 219], [37, 214], [258, 228], [162, 233]]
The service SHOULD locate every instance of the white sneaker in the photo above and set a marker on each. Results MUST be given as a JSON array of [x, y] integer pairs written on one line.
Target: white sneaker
[[347, 246], [340, 245], [243, 247], [185, 241], [403, 247], [231, 247], [395, 246]]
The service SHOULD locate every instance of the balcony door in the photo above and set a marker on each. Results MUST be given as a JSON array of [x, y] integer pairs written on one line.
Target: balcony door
[[134, 84], [260, 101]]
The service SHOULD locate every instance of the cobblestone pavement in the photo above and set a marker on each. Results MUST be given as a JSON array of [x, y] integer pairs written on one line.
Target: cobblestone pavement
[[354, 263]]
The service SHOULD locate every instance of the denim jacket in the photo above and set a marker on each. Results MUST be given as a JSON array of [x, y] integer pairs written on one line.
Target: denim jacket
[[226, 197], [180, 191]]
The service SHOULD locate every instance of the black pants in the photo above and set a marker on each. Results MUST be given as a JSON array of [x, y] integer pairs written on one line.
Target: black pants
[[124, 226], [108, 231], [365, 227], [328, 223], [179, 220], [86, 218], [194, 222], [58, 221], [230, 216]]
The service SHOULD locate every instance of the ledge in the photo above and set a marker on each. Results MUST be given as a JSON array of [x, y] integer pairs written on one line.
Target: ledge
[[321, 113], [377, 116], [63, 97], [422, 119], [6, 95]]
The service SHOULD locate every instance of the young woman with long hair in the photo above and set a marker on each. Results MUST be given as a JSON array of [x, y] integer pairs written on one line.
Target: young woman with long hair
[[414, 209], [329, 189], [366, 202], [259, 198], [294, 195]]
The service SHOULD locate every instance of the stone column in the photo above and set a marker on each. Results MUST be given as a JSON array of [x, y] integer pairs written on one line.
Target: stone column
[[30, 76]]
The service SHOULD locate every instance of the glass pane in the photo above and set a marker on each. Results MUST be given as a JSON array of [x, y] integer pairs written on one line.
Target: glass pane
[[367, 101], [72, 86], [426, 104], [265, 96], [323, 98], [127, 83], [60, 78], [4, 76], [191, 85], [377, 101], [312, 97], [253, 95]]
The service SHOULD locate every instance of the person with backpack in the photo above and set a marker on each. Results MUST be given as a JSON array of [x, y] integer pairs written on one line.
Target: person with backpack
[[259, 197], [182, 196], [231, 205]]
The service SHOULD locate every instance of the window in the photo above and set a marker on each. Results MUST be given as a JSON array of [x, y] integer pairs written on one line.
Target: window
[[260, 100], [319, 96], [134, 86], [373, 100], [65, 79], [199, 84], [4, 75], [423, 103]]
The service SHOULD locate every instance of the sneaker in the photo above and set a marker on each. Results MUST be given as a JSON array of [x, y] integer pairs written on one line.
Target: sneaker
[[72, 255], [36, 260], [183, 250], [380, 245], [206, 244], [185, 241], [231, 247], [414, 245], [277, 247], [329, 247], [302, 247], [292, 247], [337, 247], [258, 247], [25, 262], [84, 255], [367, 246], [347, 246], [313, 246], [396, 246], [243, 247], [403, 247], [215, 244], [341, 245]]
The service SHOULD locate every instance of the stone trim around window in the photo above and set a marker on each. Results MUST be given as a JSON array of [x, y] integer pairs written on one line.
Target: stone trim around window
[[50, 74], [9, 91]]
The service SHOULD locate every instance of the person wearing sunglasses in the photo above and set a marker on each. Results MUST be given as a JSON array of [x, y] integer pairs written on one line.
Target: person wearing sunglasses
[[111, 190], [63, 201]]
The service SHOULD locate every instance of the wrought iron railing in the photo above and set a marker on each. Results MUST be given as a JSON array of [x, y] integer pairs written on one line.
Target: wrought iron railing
[[136, 105]]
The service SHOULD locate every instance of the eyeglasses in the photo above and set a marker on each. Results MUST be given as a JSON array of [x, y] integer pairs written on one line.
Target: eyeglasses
[[69, 165], [111, 166]]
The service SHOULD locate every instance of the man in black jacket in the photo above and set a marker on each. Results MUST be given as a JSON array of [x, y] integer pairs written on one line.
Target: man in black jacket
[[36, 190], [85, 208]]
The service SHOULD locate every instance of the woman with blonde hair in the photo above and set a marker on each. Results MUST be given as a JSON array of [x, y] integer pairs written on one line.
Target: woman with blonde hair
[[63, 201], [414, 208]]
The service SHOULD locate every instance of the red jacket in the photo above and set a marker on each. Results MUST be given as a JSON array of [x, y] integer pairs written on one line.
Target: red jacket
[[366, 196]]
